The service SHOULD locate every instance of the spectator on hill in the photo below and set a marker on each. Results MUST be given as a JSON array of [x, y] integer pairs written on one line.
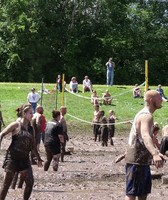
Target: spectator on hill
[[73, 85], [33, 98], [59, 83], [94, 98], [107, 98], [137, 91], [87, 85], [161, 92], [110, 71]]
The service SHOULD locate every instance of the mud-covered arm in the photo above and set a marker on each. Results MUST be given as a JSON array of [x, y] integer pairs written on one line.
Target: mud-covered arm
[[146, 122], [9, 129]]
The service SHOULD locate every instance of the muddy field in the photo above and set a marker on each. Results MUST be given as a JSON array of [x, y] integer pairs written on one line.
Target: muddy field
[[90, 173]]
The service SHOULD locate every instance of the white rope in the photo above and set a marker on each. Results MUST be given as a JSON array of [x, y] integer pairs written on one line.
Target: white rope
[[125, 122]]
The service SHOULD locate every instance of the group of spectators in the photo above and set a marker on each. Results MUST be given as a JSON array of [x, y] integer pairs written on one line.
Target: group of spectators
[[106, 98], [86, 85], [137, 92]]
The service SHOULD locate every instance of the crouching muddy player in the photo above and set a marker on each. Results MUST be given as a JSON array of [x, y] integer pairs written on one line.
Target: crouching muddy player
[[17, 156]]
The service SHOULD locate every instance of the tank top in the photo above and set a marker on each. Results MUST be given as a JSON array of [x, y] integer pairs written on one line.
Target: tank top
[[137, 153], [21, 145]]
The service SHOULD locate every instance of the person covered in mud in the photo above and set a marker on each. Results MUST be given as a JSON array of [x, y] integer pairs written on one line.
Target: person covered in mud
[[36, 122], [17, 156], [63, 111], [141, 150], [96, 121], [54, 138], [111, 127], [155, 135], [104, 132], [164, 141]]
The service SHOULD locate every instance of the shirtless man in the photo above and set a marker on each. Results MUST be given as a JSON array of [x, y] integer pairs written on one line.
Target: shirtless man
[[96, 121], [141, 150], [63, 111]]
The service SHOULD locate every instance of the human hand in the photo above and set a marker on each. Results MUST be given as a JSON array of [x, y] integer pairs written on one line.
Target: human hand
[[158, 160]]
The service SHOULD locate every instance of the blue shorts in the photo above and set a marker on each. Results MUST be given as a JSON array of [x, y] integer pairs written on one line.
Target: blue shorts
[[138, 180]]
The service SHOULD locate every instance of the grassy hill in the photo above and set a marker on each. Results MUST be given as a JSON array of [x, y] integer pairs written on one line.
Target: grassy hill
[[80, 109]]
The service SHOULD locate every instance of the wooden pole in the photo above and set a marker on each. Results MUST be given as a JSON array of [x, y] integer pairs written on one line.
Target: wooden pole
[[146, 75], [63, 91], [42, 90]]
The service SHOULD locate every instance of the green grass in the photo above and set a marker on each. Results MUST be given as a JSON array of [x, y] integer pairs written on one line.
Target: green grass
[[124, 105]]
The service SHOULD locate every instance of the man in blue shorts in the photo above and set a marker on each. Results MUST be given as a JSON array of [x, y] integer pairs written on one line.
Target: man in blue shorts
[[141, 150]]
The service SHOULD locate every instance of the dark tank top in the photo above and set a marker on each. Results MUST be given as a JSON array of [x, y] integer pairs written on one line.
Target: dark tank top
[[21, 145]]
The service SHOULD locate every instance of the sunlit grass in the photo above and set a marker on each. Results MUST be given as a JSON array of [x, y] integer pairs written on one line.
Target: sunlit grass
[[124, 105]]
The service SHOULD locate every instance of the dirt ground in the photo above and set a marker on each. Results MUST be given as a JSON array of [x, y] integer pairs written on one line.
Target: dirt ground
[[90, 173]]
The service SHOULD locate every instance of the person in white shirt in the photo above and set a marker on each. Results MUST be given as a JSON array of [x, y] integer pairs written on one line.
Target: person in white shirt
[[73, 85], [33, 98], [87, 85]]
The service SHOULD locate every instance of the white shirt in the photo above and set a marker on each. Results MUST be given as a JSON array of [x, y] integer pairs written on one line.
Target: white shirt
[[87, 82], [33, 97]]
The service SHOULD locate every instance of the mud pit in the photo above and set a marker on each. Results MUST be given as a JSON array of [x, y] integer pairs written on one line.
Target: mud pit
[[90, 173]]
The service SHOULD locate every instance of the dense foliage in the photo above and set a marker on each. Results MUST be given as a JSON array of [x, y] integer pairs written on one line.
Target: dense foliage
[[44, 38]]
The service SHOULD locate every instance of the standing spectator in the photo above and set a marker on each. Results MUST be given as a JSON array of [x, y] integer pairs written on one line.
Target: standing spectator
[[1, 119], [111, 121], [87, 85], [63, 111], [59, 83], [73, 85], [17, 156], [53, 140], [33, 98], [161, 92], [110, 71], [141, 150], [107, 98]]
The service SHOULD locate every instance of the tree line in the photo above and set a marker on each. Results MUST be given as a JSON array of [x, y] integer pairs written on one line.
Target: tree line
[[44, 38]]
